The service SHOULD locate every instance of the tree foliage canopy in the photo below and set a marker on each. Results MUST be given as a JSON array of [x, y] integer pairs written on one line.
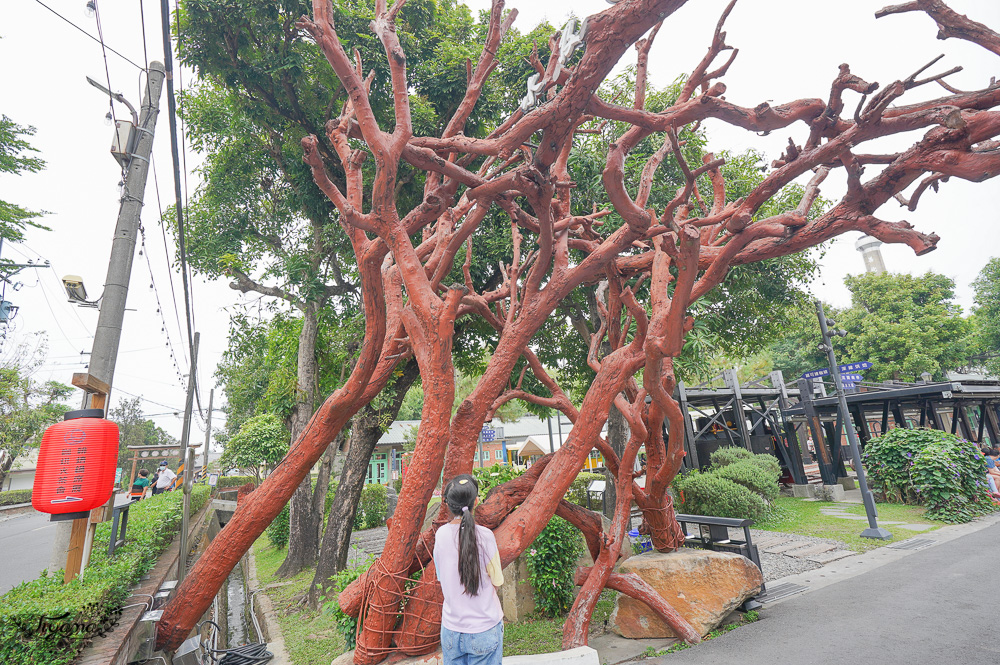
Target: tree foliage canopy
[[259, 445], [986, 316], [27, 408], [16, 158], [906, 325]]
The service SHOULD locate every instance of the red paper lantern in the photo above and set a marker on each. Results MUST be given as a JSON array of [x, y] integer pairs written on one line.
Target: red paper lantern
[[76, 464]]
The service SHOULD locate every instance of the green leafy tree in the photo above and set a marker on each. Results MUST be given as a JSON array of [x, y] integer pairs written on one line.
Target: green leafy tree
[[27, 408], [906, 325], [15, 158], [134, 429], [986, 316], [257, 447], [796, 351], [259, 219]]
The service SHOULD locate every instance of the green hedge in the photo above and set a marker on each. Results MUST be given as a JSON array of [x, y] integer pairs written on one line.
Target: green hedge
[[372, 508], [226, 482], [709, 494], [71, 614], [577, 492], [737, 484], [753, 477], [13, 497], [728, 455], [279, 530]]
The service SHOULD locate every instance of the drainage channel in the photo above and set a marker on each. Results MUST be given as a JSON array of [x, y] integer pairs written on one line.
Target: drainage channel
[[237, 627]]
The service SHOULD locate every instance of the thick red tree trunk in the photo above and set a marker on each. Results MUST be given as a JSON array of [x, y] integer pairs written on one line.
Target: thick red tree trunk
[[684, 249]]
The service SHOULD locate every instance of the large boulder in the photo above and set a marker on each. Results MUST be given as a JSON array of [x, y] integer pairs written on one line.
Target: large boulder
[[702, 585]]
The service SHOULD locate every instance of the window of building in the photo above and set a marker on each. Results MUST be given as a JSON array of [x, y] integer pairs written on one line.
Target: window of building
[[498, 454]]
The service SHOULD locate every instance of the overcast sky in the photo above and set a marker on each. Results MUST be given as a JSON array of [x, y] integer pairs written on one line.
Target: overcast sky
[[789, 49]]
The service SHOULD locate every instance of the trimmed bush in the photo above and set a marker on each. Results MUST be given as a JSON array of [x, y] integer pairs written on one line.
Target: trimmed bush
[[751, 475], [46, 621], [278, 531], [227, 482], [14, 497], [931, 468], [577, 492], [551, 561], [769, 463], [729, 455], [372, 507], [710, 494]]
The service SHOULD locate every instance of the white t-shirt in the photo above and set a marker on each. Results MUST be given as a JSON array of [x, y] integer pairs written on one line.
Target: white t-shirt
[[166, 477], [461, 612]]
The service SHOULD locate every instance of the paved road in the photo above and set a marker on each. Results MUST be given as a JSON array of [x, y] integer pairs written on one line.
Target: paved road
[[936, 605], [25, 548]]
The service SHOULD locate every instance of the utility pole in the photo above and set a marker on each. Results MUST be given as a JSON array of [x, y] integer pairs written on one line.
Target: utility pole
[[104, 353], [187, 456], [873, 530], [107, 337], [208, 432]]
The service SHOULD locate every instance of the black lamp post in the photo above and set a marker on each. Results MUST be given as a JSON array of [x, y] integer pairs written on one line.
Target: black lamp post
[[873, 530]]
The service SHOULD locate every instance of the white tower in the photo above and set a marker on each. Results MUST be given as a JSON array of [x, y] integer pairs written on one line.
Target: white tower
[[869, 248]]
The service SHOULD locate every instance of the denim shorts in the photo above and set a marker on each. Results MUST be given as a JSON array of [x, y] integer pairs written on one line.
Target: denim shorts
[[485, 648]]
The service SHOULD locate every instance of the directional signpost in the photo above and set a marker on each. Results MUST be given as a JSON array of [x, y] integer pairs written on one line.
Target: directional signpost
[[873, 530], [848, 375]]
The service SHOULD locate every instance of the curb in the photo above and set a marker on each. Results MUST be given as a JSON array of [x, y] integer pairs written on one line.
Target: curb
[[861, 563], [8, 512], [276, 641]]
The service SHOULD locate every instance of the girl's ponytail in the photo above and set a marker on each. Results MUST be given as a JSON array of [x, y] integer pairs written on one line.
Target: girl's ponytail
[[460, 494]]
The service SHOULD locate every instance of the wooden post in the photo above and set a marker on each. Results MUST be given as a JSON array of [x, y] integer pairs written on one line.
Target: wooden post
[[816, 427], [691, 460], [131, 477], [74, 555]]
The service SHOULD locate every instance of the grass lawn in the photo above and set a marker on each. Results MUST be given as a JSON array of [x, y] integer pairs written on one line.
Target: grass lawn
[[311, 637], [804, 517], [541, 635]]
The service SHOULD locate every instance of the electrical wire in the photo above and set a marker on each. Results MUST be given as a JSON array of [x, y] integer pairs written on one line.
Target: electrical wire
[[151, 401], [247, 654], [159, 304], [107, 72], [88, 34]]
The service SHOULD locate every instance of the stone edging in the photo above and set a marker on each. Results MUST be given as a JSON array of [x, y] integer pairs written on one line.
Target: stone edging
[[6, 512], [276, 640]]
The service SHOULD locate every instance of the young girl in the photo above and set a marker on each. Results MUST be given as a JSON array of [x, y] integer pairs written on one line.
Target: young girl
[[468, 566]]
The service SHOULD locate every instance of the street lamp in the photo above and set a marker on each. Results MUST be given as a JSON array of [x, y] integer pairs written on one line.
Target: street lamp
[[76, 292], [873, 530]]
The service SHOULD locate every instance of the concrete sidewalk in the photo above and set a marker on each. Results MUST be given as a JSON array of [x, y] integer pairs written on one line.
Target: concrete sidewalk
[[935, 605]]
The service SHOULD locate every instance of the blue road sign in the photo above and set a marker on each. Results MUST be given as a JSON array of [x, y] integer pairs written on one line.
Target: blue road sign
[[849, 367], [489, 435], [851, 377]]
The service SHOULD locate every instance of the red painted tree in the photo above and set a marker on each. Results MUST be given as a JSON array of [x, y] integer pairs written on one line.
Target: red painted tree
[[675, 255]]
